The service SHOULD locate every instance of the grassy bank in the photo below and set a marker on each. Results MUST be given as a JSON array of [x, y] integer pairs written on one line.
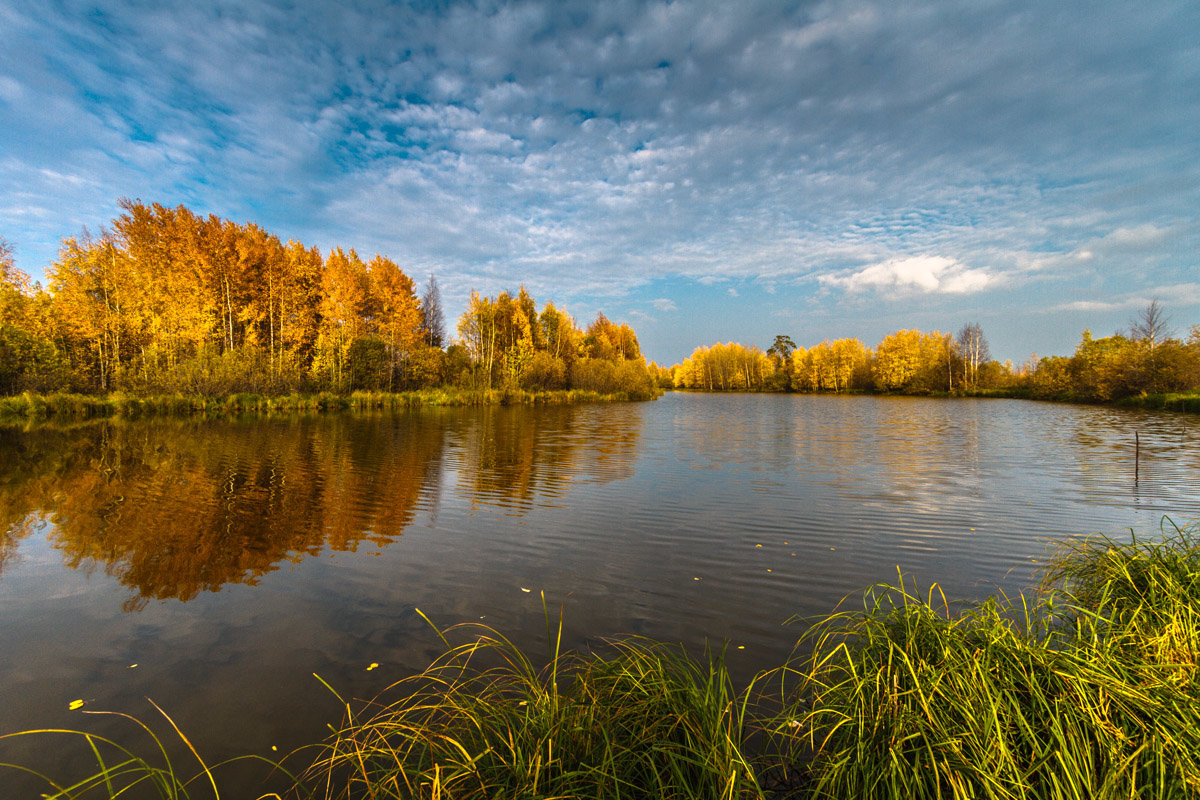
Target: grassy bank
[[64, 406], [1087, 687]]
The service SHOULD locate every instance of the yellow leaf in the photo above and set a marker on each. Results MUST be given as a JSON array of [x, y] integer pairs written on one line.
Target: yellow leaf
[[75, 705], [374, 665], [523, 589]]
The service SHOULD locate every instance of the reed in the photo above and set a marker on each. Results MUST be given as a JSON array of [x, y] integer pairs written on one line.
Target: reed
[[641, 721], [1087, 689], [63, 407], [120, 772]]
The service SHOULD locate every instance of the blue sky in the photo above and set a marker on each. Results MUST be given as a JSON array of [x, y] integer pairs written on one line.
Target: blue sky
[[703, 171]]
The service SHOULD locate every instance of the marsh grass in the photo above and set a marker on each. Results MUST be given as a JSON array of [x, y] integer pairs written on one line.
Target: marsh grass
[[62, 407], [122, 773], [1086, 687], [641, 720]]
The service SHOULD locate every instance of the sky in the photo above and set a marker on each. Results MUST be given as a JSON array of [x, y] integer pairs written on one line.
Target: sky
[[705, 171]]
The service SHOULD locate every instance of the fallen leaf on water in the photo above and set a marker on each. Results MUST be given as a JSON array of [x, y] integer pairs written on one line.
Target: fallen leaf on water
[[768, 570], [758, 545], [523, 589], [741, 647], [374, 665], [75, 705], [133, 666]]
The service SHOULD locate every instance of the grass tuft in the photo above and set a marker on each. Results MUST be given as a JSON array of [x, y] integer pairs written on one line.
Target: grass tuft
[[641, 721]]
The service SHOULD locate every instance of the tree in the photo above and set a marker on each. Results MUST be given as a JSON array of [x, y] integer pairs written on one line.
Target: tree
[[972, 347], [1150, 325], [433, 322], [477, 329], [782, 349], [346, 304], [14, 287], [398, 315], [781, 353]]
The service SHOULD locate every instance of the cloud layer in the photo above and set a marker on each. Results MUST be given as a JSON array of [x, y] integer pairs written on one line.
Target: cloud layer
[[1000, 155]]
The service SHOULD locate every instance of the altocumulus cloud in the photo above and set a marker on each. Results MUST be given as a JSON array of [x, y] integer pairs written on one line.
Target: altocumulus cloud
[[853, 147]]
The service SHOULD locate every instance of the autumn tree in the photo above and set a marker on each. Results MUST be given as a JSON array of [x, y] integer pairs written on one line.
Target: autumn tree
[[346, 305], [912, 361], [971, 346], [433, 323], [398, 313], [97, 296], [478, 331]]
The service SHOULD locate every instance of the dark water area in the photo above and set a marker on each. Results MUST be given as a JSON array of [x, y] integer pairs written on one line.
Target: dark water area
[[230, 560]]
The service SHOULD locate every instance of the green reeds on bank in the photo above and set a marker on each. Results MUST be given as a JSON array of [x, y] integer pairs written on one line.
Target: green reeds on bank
[[121, 772], [1089, 690], [68, 407], [641, 721], [1087, 687]]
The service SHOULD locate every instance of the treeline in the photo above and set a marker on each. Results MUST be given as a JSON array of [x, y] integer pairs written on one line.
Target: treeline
[[1147, 359], [167, 301]]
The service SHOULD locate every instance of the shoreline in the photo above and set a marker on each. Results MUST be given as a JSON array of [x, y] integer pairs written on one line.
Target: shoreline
[[32, 407]]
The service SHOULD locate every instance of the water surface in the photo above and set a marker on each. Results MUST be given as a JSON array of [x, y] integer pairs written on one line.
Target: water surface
[[230, 560]]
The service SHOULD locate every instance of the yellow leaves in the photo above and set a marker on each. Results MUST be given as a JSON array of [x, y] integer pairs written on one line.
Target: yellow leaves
[[374, 665], [75, 705]]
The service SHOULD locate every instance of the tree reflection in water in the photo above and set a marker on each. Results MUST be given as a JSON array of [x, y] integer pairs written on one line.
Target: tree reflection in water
[[172, 508]]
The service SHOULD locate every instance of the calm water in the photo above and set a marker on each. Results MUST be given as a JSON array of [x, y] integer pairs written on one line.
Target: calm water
[[231, 560]]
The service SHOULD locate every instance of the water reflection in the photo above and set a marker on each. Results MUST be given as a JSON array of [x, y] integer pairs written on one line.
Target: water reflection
[[174, 508], [504, 458]]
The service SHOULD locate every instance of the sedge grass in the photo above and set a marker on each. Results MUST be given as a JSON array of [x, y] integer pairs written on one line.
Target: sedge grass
[[1087, 690], [642, 721], [62, 407], [122, 773]]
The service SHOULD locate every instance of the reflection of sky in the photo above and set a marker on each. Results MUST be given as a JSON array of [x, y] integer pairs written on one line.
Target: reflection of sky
[[689, 517]]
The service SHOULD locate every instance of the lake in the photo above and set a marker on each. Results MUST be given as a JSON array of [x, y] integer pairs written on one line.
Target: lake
[[215, 566]]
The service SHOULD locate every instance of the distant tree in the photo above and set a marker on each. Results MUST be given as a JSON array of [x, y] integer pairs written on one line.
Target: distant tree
[[14, 287], [973, 348], [780, 352], [782, 348], [433, 322], [1151, 325]]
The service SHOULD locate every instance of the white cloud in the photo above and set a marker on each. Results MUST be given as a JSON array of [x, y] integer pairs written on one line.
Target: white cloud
[[665, 304], [915, 273]]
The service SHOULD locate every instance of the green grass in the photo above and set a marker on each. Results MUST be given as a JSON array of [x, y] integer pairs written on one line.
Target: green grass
[[60, 407], [643, 720], [120, 772], [1085, 687], [1088, 689], [1168, 401]]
